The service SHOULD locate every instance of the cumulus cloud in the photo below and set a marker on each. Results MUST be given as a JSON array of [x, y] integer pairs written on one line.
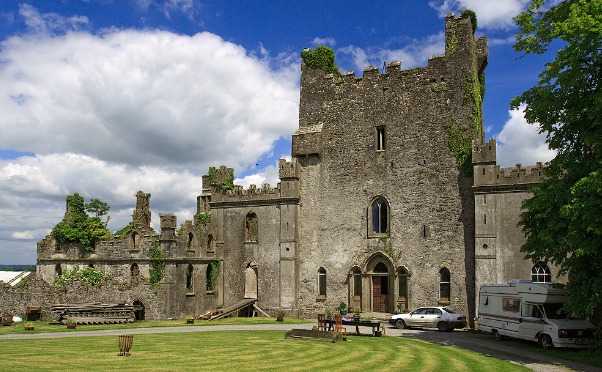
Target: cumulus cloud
[[33, 190], [414, 54], [490, 14], [267, 175], [50, 22], [143, 97], [330, 41], [520, 143]]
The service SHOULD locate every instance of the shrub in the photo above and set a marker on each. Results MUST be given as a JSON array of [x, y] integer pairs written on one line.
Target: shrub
[[88, 276], [321, 58]]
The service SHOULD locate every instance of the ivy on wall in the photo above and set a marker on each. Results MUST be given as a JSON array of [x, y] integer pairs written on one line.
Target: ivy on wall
[[124, 231], [321, 58], [225, 185], [78, 227], [157, 264], [203, 218], [88, 276]]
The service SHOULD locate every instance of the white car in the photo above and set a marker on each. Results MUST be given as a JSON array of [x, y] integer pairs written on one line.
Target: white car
[[442, 318]]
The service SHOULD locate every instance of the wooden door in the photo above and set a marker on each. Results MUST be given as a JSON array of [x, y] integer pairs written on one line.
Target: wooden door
[[379, 299]]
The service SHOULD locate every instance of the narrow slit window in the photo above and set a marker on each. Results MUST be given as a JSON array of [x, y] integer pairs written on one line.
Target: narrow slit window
[[380, 138], [322, 282]]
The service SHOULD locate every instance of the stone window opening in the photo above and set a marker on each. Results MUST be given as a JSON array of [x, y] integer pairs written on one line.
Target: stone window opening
[[444, 286], [322, 282], [210, 243], [402, 276], [540, 273], [380, 138], [484, 219], [425, 232], [135, 240], [380, 216], [189, 277], [484, 199], [91, 265], [190, 239], [58, 270], [485, 246], [251, 227], [483, 171], [134, 273]]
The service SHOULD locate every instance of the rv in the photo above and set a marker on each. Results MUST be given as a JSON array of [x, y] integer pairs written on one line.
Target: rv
[[531, 311]]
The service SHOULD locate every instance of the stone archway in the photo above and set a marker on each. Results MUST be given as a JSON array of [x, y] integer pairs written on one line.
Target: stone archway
[[251, 287], [138, 310], [381, 281]]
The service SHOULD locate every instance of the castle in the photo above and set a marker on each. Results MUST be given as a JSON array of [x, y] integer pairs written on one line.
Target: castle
[[376, 209]]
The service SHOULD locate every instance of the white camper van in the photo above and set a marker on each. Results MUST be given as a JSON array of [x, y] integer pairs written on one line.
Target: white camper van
[[531, 311]]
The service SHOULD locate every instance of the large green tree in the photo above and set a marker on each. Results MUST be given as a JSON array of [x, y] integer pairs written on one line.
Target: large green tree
[[563, 219]]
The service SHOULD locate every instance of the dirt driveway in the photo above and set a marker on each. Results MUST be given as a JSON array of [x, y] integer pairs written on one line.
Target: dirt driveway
[[512, 350]]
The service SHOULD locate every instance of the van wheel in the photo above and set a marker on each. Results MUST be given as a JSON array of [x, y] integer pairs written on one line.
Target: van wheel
[[546, 341], [443, 326], [400, 324]]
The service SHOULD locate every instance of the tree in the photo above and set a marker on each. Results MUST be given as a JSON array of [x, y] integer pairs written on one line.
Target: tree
[[98, 208], [563, 219]]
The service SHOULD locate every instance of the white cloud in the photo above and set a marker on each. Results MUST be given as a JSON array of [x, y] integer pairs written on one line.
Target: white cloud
[[144, 97], [267, 175], [520, 142], [414, 54], [23, 235], [493, 14], [50, 22], [33, 190], [330, 41]]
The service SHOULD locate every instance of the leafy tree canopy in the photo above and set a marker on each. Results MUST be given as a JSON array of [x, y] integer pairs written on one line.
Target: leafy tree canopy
[[563, 220], [77, 226]]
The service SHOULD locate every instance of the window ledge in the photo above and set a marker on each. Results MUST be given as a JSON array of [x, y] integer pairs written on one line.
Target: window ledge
[[374, 235], [190, 294], [321, 298], [383, 150], [443, 302], [210, 292]]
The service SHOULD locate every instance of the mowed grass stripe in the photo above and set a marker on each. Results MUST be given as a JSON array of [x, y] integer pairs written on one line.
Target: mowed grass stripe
[[241, 351]]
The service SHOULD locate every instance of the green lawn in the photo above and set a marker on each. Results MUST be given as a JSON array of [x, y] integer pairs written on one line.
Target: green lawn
[[41, 326], [242, 351]]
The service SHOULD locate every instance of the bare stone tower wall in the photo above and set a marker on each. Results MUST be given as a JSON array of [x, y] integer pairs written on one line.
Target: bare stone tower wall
[[341, 172]]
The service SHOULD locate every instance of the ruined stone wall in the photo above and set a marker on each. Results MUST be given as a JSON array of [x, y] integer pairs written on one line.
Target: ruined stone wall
[[341, 172]]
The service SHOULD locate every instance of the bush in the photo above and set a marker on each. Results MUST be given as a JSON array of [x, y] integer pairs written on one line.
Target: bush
[[321, 58]]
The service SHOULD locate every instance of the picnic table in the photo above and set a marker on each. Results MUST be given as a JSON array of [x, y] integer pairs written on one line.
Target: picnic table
[[374, 324]]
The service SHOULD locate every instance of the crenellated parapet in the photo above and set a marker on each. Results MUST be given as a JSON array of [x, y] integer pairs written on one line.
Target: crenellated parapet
[[488, 175], [253, 192], [287, 169]]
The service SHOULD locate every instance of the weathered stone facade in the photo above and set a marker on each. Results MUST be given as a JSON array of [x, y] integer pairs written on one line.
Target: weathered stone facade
[[372, 210]]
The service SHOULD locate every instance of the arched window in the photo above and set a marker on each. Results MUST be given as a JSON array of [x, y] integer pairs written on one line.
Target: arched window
[[58, 270], [402, 276], [189, 272], [540, 273], [357, 281], [322, 281], [190, 238], [380, 216], [251, 227], [444, 285]]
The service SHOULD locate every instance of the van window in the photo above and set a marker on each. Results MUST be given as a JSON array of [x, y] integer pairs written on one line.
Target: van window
[[555, 311], [531, 311], [511, 304]]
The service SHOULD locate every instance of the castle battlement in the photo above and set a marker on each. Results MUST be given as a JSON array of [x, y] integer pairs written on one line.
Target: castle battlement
[[239, 193], [487, 173]]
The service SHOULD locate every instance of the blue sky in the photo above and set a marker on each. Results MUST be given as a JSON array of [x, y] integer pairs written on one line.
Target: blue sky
[[105, 97]]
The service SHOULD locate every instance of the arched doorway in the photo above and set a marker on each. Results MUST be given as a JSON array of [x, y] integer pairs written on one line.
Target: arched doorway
[[382, 285], [138, 310], [251, 281]]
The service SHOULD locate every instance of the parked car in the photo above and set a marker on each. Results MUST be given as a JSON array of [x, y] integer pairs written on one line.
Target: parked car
[[442, 318], [534, 312]]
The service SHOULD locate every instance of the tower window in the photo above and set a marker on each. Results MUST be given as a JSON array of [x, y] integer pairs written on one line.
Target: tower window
[[380, 138], [322, 281], [540, 273], [380, 216], [444, 285], [189, 276]]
